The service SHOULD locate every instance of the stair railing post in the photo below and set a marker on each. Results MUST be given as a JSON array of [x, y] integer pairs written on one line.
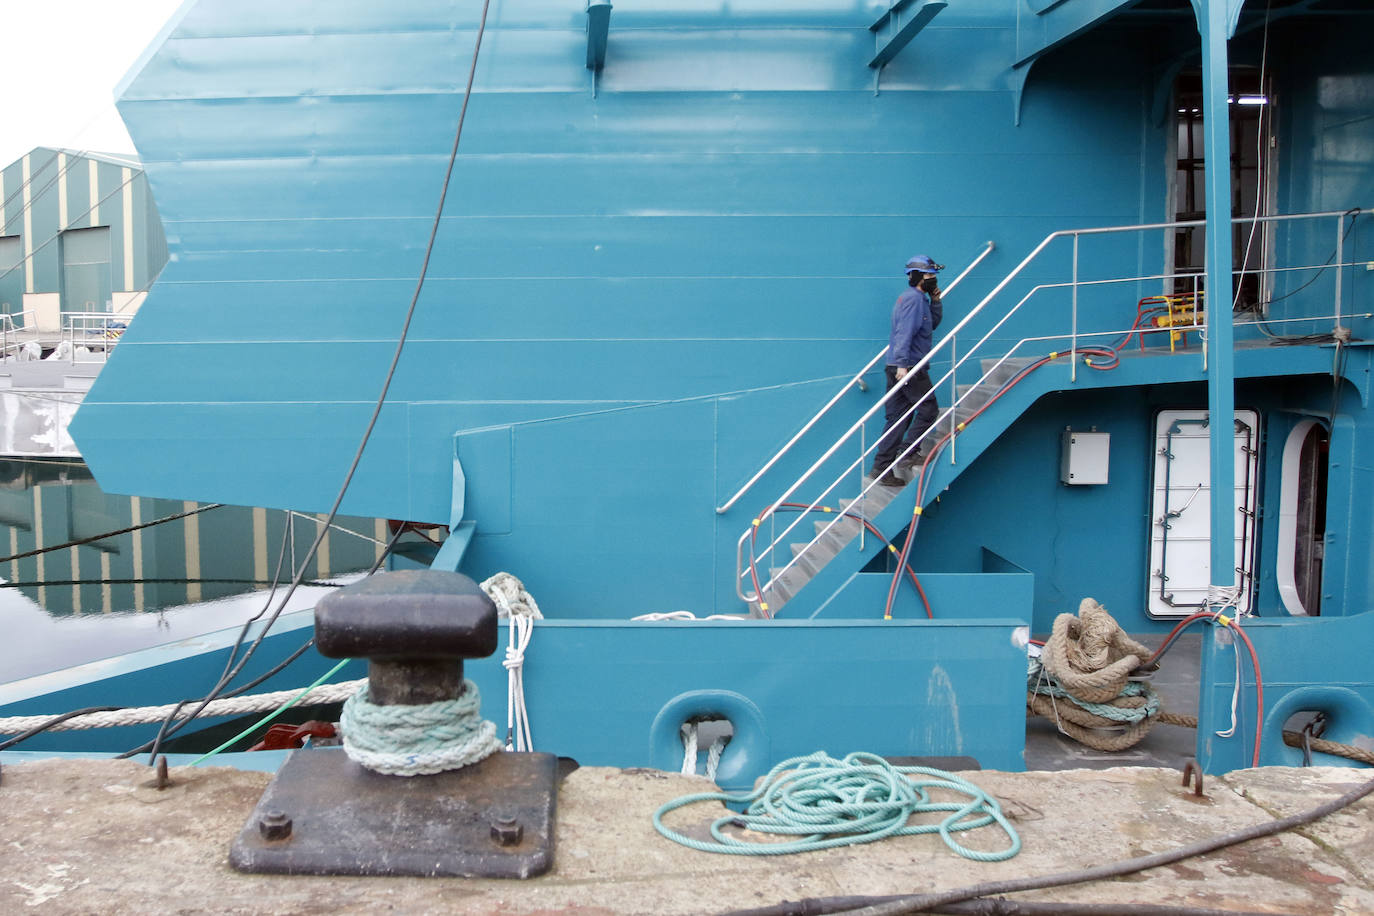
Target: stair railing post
[[1340, 266], [1204, 328], [953, 390], [863, 456], [1073, 341]]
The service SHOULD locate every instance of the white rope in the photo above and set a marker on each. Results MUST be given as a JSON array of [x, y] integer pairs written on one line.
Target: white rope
[[713, 757], [689, 752], [144, 715], [686, 615], [1222, 596], [510, 597], [1235, 693], [514, 602], [417, 740], [517, 716], [689, 748]]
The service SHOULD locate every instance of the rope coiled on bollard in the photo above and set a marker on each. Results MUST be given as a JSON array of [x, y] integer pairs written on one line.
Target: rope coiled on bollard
[[417, 740]]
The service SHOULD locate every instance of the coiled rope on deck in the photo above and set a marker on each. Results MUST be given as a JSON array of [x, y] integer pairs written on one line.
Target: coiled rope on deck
[[1082, 681], [823, 802]]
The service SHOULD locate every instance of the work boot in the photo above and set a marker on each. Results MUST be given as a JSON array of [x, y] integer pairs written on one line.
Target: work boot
[[912, 462], [890, 479]]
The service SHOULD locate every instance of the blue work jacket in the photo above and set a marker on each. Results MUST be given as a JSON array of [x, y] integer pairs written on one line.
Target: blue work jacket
[[912, 324]]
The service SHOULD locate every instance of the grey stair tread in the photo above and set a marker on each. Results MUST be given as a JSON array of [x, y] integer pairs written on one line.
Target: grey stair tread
[[791, 581]]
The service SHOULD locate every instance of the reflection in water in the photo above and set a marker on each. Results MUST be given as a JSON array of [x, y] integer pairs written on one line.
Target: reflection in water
[[204, 556]]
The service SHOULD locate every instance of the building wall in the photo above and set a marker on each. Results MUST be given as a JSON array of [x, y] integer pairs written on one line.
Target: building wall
[[49, 192]]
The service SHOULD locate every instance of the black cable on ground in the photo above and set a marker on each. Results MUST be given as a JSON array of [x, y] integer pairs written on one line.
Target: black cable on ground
[[932, 903], [1002, 906], [110, 534]]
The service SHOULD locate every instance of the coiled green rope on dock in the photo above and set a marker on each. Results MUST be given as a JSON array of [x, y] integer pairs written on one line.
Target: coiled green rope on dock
[[825, 802]]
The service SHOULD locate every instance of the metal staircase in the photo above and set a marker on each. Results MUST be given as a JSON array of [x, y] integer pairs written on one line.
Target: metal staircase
[[796, 556], [834, 534]]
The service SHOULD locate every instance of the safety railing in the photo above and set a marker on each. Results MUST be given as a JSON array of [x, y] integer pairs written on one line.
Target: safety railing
[[10, 326], [90, 336], [857, 380], [1073, 337]]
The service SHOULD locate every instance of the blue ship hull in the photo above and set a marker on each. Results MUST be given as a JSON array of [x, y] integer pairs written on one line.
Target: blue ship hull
[[669, 242]]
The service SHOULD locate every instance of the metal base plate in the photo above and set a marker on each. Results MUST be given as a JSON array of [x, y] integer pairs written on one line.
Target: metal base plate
[[345, 820]]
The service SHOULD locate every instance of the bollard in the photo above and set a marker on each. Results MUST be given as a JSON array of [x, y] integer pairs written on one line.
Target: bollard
[[414, 627], [324, 814]]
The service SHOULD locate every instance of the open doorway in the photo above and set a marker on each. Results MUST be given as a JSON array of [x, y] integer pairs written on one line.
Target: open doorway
[[1251, 119]]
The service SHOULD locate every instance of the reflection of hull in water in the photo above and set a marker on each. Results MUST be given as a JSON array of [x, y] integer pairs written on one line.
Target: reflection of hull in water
[[180, 553], [647, 279]]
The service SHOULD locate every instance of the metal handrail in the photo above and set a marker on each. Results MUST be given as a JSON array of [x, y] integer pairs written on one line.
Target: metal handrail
[[1073, 336], [90, 322], [8, 329], [839, 394]]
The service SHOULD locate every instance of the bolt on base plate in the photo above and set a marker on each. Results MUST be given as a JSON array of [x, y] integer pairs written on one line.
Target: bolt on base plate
[[323, 814]]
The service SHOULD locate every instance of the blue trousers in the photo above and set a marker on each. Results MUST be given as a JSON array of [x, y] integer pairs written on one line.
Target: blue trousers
[[901, 432]]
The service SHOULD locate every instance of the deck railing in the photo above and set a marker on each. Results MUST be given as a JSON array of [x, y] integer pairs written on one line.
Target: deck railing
[[949, 341]]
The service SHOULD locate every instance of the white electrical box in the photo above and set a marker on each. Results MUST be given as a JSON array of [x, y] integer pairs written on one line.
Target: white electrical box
[[1084, 457]]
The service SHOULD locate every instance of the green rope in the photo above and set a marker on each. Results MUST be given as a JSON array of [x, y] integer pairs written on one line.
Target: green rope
[[1041, 681], [272, 715], [825, 802]]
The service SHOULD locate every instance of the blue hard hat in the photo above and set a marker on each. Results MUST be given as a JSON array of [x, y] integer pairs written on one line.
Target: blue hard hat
[[925, 264]]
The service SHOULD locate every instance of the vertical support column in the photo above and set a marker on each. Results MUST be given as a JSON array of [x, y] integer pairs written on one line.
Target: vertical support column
[[1215, 27]]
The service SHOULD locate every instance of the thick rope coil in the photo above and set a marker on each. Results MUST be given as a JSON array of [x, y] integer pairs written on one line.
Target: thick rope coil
[[822, 802], [1084, 683], [511, 597], [1090, 655], [416, 740]]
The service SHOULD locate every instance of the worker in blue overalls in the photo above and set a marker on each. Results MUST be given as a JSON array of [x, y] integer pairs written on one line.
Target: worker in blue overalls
[[914, 318]]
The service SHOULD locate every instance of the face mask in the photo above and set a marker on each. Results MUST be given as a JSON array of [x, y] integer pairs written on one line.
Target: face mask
[[929, 284]]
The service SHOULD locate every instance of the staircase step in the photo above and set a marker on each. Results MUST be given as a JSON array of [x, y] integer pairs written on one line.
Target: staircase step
[[971, 397], [811, 560], [790, 582], [1000, 375]]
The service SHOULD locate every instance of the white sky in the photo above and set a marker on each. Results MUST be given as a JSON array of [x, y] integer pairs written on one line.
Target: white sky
[[63, 60]]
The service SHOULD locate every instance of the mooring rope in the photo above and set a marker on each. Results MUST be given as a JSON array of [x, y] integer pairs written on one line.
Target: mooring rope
[[1082, 681], [417, 740], [146, 715], [823, 802], [515, 604]]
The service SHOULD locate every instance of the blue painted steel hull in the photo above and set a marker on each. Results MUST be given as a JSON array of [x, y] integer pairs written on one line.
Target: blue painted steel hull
[[646, 278]]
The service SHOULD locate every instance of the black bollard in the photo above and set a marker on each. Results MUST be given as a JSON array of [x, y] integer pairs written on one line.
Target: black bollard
[[414, 627], [323, 814]]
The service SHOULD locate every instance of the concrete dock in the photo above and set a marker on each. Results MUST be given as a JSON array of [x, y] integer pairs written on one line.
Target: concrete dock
[[88, 836]]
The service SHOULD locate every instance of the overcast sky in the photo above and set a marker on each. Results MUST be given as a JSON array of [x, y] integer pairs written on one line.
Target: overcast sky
[[63, 61]]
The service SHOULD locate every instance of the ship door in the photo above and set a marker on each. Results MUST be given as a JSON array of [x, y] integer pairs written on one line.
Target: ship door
[[1252, 164], [1181, 514]]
